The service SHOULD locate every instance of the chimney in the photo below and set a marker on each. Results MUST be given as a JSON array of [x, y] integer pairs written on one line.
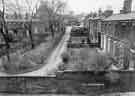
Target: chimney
[[127, 6]]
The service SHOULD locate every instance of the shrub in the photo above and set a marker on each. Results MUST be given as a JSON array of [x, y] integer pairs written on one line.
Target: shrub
[[38, 59], [62, 67], [16, 65], [112, 77], [11, 65], [25, 63], [65, 57], [88, 59]]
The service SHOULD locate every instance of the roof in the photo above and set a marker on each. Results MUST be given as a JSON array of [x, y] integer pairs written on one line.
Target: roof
[[121, 17], [97, 18], [22, 20]]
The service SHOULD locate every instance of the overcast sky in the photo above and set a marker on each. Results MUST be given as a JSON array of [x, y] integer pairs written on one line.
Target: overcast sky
[[86, 6]]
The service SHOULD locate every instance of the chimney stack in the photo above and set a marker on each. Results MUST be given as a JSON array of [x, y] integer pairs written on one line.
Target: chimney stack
[[127, 7]]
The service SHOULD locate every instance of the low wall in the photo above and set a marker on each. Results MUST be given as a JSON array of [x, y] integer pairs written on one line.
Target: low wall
[[70, 83], [114, 81]]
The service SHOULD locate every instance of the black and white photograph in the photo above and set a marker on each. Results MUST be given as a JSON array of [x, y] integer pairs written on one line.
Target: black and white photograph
[[67, 47]]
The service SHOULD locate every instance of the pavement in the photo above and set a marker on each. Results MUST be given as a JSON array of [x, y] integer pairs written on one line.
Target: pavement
[[120, 94], [52, 62]]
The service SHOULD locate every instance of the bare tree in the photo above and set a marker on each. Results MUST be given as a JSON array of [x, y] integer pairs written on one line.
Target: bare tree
[[31, 11], [100, 12], [12, 6], [27, 7], [4, 30], [53, 10]]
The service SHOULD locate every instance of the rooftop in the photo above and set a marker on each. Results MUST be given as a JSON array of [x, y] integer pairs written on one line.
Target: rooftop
[[97, 18], [22, 20], [121, 17]]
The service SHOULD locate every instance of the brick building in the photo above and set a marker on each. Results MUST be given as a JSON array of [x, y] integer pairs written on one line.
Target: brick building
[[118, 32]]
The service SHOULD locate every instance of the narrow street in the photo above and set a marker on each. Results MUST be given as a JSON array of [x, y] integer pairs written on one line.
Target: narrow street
[[53, 61]]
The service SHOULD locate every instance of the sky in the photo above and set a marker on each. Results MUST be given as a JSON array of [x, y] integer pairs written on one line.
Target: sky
[[24, 5], [86, 6]]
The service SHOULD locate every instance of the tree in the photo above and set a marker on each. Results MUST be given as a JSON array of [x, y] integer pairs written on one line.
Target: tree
[[26, 16], [51, 11], [15, 15], [95, 14], [100, 12], [31, 13], [4, 30], [19, 9], [14, 6]]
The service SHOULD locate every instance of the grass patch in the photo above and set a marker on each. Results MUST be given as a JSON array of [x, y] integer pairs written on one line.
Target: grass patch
[[84, 59], [31, 60]]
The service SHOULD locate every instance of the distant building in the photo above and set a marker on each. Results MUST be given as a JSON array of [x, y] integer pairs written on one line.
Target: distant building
[[18, 24], [78, 37], [127, 6]]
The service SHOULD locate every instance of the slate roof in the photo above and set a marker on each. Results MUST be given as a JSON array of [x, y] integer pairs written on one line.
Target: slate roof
[[22, 20], [122, 17], [97, 18]]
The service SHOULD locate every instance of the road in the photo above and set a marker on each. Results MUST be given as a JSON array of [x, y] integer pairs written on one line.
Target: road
[[52, 62]]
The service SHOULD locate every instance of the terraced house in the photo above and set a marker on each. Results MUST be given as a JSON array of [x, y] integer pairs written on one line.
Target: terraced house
[[117, 34]]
